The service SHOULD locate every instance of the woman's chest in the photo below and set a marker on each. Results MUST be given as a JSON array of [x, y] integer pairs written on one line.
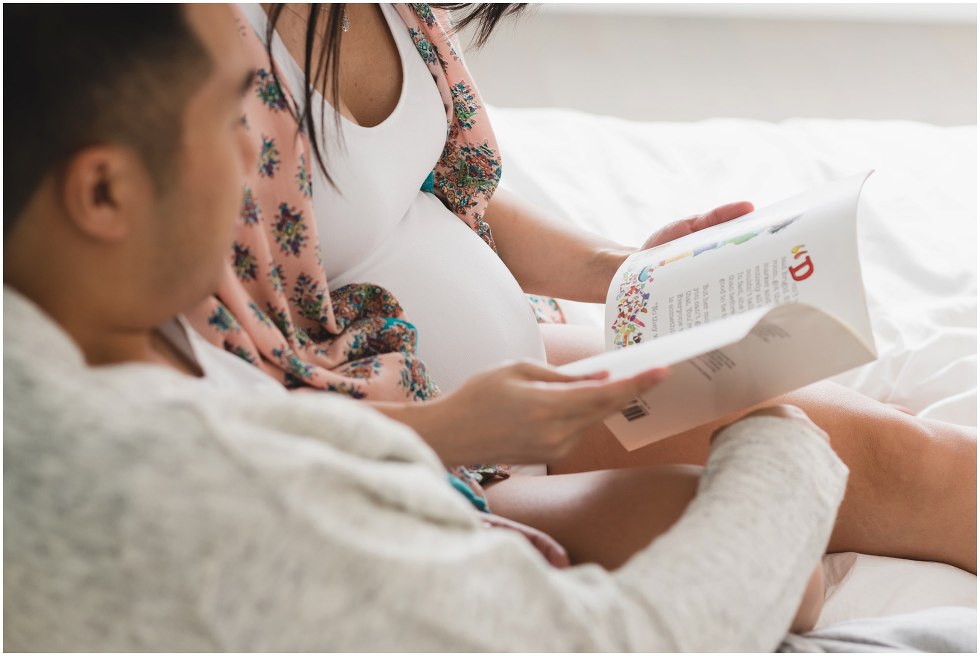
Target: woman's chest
[[375, 172], [368, 68], [370, 75]]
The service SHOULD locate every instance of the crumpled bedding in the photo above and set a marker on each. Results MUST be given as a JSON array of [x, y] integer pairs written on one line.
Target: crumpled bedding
[[917, 236], [946, 630]]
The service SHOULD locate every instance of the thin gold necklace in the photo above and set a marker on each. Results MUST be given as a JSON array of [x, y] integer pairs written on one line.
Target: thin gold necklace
[[344, 21]]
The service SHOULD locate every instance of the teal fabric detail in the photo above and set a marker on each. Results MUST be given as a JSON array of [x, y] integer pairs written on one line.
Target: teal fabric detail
[[394, 321], [464, 489], [429, 184]]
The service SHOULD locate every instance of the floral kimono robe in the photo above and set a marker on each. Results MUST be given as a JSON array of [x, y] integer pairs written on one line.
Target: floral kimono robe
[[274, 308]]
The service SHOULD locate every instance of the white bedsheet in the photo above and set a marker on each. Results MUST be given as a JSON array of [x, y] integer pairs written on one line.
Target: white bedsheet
[[918, 241]]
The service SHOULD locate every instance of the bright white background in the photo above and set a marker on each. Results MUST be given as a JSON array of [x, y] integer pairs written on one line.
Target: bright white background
[[689, 61]]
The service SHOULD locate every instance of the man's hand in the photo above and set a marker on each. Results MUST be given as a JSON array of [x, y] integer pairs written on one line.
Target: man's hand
[[692, 224], [553, 552], [782, 411]]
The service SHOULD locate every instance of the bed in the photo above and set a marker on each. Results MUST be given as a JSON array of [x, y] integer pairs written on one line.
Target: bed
[[917, 234]]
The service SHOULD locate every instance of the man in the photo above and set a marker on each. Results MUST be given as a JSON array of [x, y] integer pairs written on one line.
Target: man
[[153, 506]]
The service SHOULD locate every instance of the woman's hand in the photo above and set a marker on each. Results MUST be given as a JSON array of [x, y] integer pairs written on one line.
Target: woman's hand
[[523, 412], [692, 224], [553, 552], [551, 257]]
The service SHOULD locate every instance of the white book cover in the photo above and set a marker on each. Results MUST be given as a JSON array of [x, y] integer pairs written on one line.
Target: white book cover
[[741, 312]]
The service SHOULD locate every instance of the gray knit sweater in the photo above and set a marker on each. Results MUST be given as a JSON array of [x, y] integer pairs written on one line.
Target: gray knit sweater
[[145, 510]]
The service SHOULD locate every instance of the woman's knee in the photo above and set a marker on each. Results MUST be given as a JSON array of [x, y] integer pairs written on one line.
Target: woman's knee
[[883, 446], [812, 604], [564, 343]]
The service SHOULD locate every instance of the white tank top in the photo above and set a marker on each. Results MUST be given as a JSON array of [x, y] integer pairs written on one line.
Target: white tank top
[[377, 226]]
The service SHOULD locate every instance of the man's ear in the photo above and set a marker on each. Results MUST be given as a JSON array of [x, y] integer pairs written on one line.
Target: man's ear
[[104, 188]]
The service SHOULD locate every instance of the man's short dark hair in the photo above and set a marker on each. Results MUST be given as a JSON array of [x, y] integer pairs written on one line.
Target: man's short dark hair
[[83, 75]]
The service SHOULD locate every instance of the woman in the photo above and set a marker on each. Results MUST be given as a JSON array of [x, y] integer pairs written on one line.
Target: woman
[[913, 485]]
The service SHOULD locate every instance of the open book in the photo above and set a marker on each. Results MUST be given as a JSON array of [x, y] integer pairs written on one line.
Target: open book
[[741, 312]]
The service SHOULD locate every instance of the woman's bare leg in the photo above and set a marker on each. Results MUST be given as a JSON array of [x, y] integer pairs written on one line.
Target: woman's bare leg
[[604, 517], [913, 483], [583, 510]]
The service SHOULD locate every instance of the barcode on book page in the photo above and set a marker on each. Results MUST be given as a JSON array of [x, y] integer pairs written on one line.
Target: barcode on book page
[[635, 411]]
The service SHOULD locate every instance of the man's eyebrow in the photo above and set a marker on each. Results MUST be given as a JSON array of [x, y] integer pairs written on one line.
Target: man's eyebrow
[[247, 82]]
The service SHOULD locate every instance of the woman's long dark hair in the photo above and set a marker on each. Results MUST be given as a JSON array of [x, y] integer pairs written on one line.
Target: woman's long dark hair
[[325, 22]]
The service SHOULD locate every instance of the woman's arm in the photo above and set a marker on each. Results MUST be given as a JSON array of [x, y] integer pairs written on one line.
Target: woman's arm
[[522, 412], [552, 258]]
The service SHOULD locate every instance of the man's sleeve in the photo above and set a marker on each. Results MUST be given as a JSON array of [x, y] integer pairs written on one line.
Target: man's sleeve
[[340, 552]]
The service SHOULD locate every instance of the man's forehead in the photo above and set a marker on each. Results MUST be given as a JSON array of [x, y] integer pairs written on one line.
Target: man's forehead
[[214, 25]]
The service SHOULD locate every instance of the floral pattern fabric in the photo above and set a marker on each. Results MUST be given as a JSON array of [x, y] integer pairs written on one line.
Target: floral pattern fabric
[[274, 308]]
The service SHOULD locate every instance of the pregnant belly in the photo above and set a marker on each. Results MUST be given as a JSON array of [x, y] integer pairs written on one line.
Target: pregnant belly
[[469, 310]]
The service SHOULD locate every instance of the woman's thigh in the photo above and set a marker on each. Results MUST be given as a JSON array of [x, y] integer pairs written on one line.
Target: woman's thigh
[[852, 419], [606, 517], [912, 487], [601, 517]]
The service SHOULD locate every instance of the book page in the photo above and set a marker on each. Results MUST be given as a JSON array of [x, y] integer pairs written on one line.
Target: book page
[[724, 366], [803, 249]]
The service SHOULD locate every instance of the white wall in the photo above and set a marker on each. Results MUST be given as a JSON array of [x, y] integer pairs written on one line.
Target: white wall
[[686, 62], [963, 13]]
